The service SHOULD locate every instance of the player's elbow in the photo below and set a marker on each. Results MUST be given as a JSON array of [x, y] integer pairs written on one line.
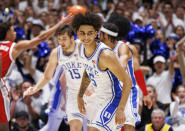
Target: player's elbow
[[47, 77], [129, 82]]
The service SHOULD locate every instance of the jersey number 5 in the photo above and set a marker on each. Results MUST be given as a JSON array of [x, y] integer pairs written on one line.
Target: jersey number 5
[[91, 76]]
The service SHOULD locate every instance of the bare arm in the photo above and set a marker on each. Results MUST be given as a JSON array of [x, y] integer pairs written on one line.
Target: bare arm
[[48, 73], [181, 60], [182, 64], [181, 55], [171, 67], [32, 111], [15, 97], [108, 60], [63, 86], [139, 76], [27, 44], [124, 55], [84, 84]]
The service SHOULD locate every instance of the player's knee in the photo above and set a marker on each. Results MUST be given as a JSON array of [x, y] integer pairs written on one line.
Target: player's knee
[[92, 129], [75, 125], [129, 127], [75, 128]]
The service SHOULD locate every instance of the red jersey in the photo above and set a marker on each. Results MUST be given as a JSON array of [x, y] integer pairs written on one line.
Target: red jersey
[[6, 48]]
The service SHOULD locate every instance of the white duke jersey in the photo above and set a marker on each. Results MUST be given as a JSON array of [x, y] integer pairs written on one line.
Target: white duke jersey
[[129, 68], [131, 110], [56, 93], [107, 87], [73, 71], [73, 68]]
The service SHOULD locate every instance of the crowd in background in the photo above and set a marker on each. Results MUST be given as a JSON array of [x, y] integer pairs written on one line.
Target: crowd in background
[[162, 60]]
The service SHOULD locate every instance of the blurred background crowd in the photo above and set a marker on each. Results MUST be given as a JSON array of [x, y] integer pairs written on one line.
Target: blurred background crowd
[[156, 28]]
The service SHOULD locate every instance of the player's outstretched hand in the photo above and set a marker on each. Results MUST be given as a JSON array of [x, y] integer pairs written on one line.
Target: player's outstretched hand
[[30, 91], [147, 101], [120, 116], [81, 105], [68, 19]]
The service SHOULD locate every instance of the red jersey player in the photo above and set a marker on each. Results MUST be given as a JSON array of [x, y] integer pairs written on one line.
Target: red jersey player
[[9, 52]]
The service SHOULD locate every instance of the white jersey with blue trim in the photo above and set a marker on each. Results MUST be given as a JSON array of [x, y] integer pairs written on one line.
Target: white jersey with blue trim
[[73, 72], [103, 81], [72, 66], [56, 93], [107, 87], [131, 109], [129, 68]]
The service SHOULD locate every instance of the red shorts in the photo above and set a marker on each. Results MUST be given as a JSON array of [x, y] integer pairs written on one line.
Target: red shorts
[[4, 104]]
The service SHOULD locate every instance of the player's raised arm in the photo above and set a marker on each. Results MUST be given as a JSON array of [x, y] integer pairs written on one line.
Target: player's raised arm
[[26, 44], [48, 73], [108, 60]]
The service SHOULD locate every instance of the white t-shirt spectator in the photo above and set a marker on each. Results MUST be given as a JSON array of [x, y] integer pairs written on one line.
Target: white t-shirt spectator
[[163, 85]]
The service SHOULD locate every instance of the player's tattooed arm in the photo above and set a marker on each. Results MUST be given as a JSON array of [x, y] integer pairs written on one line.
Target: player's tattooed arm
[[84, 84]]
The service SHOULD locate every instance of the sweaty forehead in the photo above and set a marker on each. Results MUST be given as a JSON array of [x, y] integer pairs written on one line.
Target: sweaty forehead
[[86, 28]]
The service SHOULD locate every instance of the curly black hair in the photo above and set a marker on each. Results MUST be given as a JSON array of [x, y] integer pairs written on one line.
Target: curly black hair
[[4, 28], [122, 23], [87, 19]]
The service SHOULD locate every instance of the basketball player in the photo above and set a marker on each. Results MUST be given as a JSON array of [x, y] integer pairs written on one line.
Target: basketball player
[[63, 58], [103, 68], [124, 27], [108, 35], [10, 51]]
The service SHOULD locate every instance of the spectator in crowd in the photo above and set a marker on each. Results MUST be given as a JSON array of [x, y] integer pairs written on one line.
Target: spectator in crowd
[[31, 104], [29, 12], [40, 6], [162, 80], [44, 19], [179, 13], [177, 109], [158, 46], [22, 122], [138, 20], [54, 15], [171, 44], [144, 111], [166, 18], [157, 122], [179, 30], [23, 67], [37, 27]]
